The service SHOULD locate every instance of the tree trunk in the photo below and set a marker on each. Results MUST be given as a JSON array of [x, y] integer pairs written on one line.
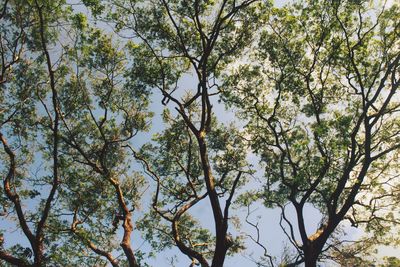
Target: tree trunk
[[220, 252], [38, 251], [126, 241], [310, 258], [312, 250], [221, 246]]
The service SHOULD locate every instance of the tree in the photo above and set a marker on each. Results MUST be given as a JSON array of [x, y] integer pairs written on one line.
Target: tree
[[197, 38], [316, 86], [69, 109], [17, 112], [106, 110], [176, 167], [321, 101]]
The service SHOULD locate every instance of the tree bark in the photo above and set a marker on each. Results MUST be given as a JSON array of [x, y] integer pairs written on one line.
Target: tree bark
[[127, 225], [310, 260], [221, 228]]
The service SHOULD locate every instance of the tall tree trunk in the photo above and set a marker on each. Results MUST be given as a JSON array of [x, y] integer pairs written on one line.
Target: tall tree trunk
[[127, 225], [310, 259], [311, 255], [221, 246]]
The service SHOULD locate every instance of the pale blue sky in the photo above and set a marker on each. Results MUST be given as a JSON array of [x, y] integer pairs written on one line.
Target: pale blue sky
[[272, 236]]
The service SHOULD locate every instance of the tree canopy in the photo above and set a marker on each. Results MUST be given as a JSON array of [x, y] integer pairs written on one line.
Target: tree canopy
[[116, 148]]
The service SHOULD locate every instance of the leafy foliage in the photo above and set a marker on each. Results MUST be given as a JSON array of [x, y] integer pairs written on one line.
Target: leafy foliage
[[321, 105], [315, 87]]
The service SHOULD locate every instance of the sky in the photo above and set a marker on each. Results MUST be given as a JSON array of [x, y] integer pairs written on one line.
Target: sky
[[271, 234]]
